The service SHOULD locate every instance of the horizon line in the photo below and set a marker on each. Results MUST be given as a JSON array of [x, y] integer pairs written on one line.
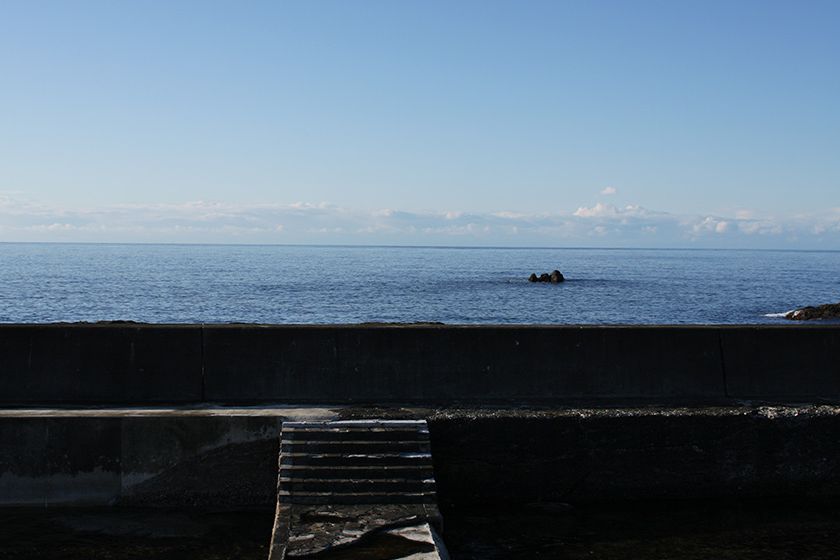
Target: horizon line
[[414, 246]]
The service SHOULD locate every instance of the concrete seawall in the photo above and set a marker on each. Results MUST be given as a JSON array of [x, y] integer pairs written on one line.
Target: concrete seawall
[[157, 415], [127, 364]]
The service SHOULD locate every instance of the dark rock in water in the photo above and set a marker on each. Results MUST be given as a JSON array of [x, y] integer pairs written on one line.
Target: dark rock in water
[[555, 277], [825, 311]]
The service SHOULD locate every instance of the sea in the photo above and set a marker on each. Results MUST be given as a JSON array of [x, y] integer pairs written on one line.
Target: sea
[[41, 283]]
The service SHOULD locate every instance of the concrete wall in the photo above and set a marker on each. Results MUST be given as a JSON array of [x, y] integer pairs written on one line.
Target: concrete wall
[[93, 364], [138, 461], [782, 363], [83, 364], [481, 453], [582, 455], [480, 456]]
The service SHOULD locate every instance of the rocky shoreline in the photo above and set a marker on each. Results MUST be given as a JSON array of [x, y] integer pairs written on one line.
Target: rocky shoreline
[[825, 311]]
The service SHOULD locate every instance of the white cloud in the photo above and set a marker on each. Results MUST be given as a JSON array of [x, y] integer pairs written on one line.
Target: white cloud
[[601, 210], [302, 222], [509, 215], [609, 191], [760, 227], [597, 211], [710, 224], [56, 227]]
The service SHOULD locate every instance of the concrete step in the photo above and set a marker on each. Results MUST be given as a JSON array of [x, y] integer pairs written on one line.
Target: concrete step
[[347, 487]]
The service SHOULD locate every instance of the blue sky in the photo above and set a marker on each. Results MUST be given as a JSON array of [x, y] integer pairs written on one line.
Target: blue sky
[[477, 123]]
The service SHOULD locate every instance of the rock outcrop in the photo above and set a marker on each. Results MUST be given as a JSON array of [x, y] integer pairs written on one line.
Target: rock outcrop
[[555, 277], [825, 311]]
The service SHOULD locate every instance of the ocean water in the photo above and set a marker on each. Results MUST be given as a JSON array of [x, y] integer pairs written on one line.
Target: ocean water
[[305, 284]]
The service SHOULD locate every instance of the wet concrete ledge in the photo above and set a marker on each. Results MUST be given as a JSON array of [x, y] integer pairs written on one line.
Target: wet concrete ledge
[[138, 364], [205, 458]]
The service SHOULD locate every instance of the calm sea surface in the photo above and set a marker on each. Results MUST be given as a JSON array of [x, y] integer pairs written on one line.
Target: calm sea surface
[[284, 284]]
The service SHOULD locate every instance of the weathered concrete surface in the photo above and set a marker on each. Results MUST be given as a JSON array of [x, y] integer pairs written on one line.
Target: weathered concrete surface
[[429, 365], [213, 461], [481, 455], [45, 461], [299, 413], [433, 364], [87, 364], [346, 532], [780, 364], [582, 455], [216, 461]]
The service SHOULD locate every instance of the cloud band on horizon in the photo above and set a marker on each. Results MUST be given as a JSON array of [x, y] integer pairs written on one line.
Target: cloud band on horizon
[[601, 225]]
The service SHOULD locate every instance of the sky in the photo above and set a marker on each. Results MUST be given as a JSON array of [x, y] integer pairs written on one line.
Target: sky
[[556, 123]]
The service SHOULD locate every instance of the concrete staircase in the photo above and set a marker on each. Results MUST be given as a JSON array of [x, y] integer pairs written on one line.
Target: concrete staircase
[[356, 489]]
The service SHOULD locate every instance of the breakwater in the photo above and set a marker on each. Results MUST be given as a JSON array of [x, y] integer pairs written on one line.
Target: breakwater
[[137, 365], [155, 415]]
